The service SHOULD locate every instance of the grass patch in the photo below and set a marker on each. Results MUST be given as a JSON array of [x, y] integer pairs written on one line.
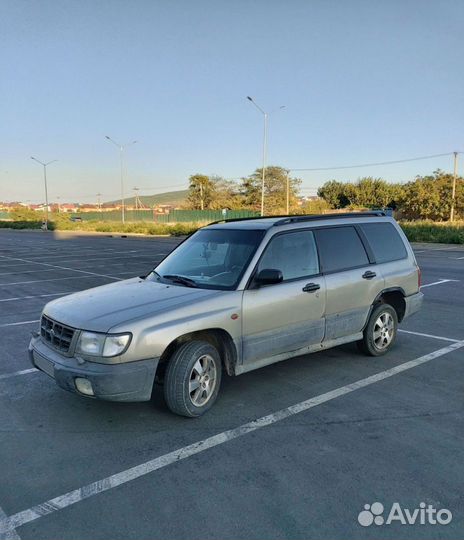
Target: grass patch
[[429, 231], [172, 229], [416, 231]]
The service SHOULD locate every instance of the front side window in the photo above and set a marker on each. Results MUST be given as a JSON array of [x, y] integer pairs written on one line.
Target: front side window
[[294, 254], [210, 259], [340, 248]]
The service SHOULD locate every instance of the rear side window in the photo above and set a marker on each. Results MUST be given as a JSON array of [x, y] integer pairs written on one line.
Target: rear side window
[[340, 248], [385, 242]]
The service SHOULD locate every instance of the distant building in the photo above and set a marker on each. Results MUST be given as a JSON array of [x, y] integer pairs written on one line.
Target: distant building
[[163, 208], [9, 205], [68, 207]]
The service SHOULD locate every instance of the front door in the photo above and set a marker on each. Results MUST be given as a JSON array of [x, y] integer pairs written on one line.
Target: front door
[[285, 316]]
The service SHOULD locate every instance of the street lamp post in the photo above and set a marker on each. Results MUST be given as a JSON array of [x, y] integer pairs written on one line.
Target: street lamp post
[[453, 194], [263, 178], [121, 160], [288, 192], [44, 165]]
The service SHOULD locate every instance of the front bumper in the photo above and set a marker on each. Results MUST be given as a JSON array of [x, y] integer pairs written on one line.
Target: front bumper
[[413, 304], [131, 381]]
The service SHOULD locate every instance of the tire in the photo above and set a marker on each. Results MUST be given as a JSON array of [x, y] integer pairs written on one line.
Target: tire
[[187, 384], [377, 342]]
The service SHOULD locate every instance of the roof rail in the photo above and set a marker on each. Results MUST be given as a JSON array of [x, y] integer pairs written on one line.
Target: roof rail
[[317, 217], [231, 220], [284, 219]]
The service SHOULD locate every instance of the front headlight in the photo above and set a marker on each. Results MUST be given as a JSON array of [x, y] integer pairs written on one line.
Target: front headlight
[[93, 344], [115, 345]]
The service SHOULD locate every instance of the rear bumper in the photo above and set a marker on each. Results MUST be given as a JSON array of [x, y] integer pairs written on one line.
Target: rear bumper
[[132, 381], [413, 304]]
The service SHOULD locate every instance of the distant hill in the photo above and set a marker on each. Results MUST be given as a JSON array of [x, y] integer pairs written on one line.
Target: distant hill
[[176, 198]]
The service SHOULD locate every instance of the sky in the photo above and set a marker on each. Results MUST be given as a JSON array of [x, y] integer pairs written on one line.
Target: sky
[[362, 81]]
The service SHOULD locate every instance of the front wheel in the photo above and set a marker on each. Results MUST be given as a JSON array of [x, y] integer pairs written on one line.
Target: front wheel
[[380, 332], [193, 378]]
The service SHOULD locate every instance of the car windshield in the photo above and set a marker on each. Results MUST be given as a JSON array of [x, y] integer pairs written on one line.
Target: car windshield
[[210, 259]]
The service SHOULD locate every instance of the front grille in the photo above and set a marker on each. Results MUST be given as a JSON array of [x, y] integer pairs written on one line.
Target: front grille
[[56, 334]]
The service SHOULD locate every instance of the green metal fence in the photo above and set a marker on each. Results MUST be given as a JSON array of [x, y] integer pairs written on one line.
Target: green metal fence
[[176, 216], [115, 215], [179, 216]]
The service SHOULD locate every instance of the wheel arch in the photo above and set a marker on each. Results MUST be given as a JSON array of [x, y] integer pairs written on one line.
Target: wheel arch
[[218, 337], [395, 296]]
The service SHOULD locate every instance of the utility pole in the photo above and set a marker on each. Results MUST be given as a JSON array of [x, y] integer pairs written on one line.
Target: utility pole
[[453, 194], [201, 195], [136, 196], [99, 202], [44, 165], [138, 203]]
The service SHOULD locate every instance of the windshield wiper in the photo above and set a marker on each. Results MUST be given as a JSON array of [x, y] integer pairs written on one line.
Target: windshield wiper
[[181, 279]]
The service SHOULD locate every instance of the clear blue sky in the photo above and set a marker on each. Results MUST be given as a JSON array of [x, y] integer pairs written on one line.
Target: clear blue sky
[[362, 80]]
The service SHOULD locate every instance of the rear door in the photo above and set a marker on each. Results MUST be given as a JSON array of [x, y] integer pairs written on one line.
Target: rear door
[[285, 316], [352, 280], [398, 267]]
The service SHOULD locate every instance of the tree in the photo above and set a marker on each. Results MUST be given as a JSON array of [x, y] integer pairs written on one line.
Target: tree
[[201, 192], [226, 194], [429, 197], [335, 194], [367, 192], [375, 193], [275, 190]]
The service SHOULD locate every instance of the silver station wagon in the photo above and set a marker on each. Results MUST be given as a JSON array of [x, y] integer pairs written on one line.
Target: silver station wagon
[[233, 297]]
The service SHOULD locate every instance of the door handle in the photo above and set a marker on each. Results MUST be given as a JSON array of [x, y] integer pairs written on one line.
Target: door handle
[[311, 287], [369, 275]]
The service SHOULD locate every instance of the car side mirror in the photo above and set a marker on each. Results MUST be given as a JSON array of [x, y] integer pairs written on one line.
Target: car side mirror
[[268, 276]]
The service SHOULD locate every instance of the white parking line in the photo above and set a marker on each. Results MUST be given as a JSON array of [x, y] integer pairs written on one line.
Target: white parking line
[[11, 534], [123, 477], [109, 259], [18, 323], [26, 272], [61, 267], [78, 256], [427, 335], [438, 282], [51, 279], [16, 373], [34, 296]]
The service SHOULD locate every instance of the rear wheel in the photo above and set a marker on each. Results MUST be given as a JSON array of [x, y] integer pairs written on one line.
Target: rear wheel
[[380, 332], [193, 378]]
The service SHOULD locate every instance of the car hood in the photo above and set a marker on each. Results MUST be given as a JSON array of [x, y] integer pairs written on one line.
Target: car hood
[[101, 308]]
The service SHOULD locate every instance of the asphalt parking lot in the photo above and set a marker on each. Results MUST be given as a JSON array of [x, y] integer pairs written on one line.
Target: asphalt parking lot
[[264, 462]]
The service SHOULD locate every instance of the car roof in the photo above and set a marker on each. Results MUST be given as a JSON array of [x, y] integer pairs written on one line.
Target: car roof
[[266, 223]]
